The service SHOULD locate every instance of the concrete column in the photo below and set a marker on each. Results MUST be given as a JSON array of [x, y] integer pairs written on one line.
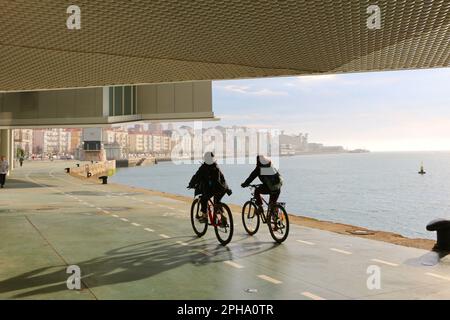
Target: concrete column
[[6, 146]]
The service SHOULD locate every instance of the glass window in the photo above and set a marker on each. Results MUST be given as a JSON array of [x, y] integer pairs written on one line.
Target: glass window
[[134, 100], [118, 101], [127, 101], [111, 101]]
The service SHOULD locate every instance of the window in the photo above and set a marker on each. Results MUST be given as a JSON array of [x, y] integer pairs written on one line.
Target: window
[[122, 101], [118, 93], [127, 101]]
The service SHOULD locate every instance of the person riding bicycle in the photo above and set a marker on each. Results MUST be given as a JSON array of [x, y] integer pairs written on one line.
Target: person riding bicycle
[[209, 181], [270, 178]]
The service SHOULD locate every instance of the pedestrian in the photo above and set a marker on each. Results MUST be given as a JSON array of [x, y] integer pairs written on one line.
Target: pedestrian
[[21, 161], [4, 167]]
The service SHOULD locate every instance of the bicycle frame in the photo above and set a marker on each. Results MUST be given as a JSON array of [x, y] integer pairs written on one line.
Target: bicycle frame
[[265, 213], [211, 211]]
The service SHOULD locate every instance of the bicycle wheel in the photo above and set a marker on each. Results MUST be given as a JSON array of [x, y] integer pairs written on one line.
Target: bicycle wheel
[[223, 224], [250, 219], [198, 226], [278, 224]]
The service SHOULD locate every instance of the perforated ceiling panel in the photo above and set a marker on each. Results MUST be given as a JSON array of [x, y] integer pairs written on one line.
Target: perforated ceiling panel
[[141, 41]]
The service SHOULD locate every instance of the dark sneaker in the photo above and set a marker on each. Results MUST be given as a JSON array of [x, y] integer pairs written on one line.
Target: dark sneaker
[[203, 218]]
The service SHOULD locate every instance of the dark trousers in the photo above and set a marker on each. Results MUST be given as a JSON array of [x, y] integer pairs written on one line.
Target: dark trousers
[[262, 189], [2, 179], [205, 197]]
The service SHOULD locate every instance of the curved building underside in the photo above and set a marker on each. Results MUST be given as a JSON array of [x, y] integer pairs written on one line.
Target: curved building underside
[[146, 42]]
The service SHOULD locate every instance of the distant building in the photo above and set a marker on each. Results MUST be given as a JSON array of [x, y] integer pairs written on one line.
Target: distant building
[[51, 141], [23, 138]]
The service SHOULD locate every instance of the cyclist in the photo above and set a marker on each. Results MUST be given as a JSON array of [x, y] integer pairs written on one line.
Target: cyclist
[[270, 178], [209, 181]]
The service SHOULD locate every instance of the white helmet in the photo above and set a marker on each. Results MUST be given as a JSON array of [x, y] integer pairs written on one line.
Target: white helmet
[[209, 158], [264, 160]]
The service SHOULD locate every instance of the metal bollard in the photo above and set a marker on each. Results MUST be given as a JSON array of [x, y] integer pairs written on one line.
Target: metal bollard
[[104, 179], [442, 228]]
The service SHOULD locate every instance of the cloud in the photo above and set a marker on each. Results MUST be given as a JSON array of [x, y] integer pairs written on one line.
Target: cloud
[[264, 92]]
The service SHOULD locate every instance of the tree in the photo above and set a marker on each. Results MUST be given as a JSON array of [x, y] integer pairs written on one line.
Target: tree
[[20, 153]]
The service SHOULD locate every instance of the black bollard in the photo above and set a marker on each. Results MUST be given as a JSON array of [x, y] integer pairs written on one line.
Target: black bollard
[[78, 165], [67, 170], [104, 179], [89, 174], [442, 228]]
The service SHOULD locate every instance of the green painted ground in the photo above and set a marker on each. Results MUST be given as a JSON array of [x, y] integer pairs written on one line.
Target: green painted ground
[[132, 245]]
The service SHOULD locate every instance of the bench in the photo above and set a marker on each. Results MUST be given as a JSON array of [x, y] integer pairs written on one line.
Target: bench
[[104, 179], [442, 228]]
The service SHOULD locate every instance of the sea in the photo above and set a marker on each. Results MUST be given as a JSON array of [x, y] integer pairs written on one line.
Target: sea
[[378, 190]]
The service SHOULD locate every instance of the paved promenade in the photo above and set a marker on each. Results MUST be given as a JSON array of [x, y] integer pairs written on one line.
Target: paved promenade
[[134, 244]]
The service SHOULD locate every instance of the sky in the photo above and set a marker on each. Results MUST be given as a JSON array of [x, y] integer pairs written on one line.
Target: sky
[[379, 111]]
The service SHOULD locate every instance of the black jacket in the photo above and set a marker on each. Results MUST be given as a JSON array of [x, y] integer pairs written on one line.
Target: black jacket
[[209, 179], [256, 173]]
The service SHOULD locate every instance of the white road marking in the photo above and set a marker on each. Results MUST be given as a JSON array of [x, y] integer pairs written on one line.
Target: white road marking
[[183, 243], [100, 209], [306, 242], [149, 230], [115, 216], [106, 211], [170, 208], [438, 276], [340, 251], [385, 262], [312, 296], [136, 224], [233, 264], [161, 206], [164, 236], [123, 219], [267, 278], [91, 205]]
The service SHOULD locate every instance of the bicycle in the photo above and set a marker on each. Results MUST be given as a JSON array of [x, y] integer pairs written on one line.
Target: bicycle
[[219, 216], [275, 217]]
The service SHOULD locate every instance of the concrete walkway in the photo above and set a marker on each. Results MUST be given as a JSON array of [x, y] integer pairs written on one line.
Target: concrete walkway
[[130, 244]]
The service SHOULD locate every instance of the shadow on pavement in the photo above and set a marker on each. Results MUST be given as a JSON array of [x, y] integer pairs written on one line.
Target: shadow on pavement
[[22, 184], [127, 264], [431, 258]]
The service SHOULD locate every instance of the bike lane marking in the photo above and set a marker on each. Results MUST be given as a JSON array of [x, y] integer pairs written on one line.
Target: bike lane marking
[[340, 251], [385, 262], [306, 242], [164, 236], [233, 264], [312, 296], [438, 276], [269, 279]]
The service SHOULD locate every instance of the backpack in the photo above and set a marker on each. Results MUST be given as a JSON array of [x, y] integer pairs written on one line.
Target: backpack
[[273, 181]]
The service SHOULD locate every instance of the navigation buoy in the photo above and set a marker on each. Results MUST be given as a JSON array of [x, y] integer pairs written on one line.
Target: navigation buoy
[[422, 171]]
